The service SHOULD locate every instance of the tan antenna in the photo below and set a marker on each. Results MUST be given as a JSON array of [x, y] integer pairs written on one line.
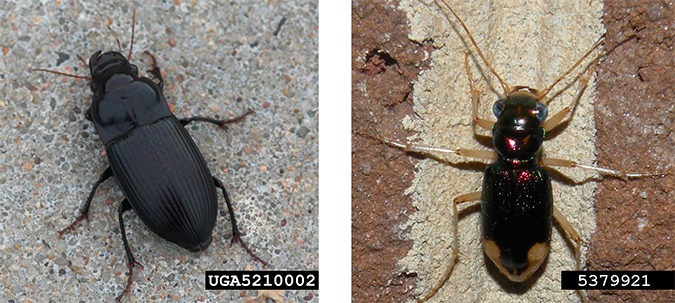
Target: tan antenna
[[542, 94], [505, 86]]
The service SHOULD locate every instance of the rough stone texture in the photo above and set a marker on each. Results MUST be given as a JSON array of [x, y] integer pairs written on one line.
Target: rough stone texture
[[635, 113], [218, 59], [384, 64]]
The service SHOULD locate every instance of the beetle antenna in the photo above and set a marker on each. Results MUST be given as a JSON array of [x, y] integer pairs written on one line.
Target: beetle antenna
[[82, 60], [504, 85], [62, 74], [542, 94], [133, 31], [119, 46]]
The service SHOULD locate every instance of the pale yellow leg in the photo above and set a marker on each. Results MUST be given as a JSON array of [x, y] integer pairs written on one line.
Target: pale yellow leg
[[475, 98], [572, 233], [541, 96], [601, 170], [474, 196], [557, 119], [431, 151]]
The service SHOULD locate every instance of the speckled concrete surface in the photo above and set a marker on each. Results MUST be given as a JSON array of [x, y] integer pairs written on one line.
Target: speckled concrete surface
[[525, 49], [212, 55]]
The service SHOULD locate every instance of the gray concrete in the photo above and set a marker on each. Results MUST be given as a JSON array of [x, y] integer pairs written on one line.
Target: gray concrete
[[212, 54]]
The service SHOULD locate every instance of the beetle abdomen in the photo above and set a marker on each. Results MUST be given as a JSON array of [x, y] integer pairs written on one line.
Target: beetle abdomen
[[164, 175], [517, 211]]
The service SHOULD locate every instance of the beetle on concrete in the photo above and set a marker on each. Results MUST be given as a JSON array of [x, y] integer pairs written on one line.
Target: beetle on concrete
[[160, 169]]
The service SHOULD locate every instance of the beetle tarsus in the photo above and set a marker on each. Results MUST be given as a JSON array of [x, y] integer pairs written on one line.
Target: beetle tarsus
[[124, 206], [236, 119], [85, 211], [83, 215], [236, 234], [241, 242], [130, 275]]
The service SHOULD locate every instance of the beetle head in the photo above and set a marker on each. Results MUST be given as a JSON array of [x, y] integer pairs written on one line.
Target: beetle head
[[109, 71], [518, 134]]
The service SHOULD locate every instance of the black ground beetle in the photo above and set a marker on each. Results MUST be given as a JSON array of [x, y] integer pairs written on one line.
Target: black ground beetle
[[516, 200], [162, 173]]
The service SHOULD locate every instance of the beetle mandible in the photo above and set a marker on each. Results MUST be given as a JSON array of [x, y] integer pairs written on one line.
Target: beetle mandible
[[160, 169], [516, 198]]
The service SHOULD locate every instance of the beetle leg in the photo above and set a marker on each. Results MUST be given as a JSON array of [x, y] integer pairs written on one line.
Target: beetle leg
[[604, 171], [84, 214], [474, 196], [221, 123], [557, 119], [236, 235], [541, 95], [572, 233], [124, 206], [155, 71], [433, 151], [475, 98]]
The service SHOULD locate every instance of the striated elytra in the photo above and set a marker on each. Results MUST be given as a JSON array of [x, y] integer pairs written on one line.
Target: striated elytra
[[159, 167]]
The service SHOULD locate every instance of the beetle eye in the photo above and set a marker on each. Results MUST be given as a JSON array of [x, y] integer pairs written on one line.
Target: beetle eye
[[498, 107], [540, 112]]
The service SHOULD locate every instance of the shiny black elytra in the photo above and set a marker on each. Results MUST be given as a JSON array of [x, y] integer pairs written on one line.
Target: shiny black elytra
[[516, 201], [517, 209], [160, 169]]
